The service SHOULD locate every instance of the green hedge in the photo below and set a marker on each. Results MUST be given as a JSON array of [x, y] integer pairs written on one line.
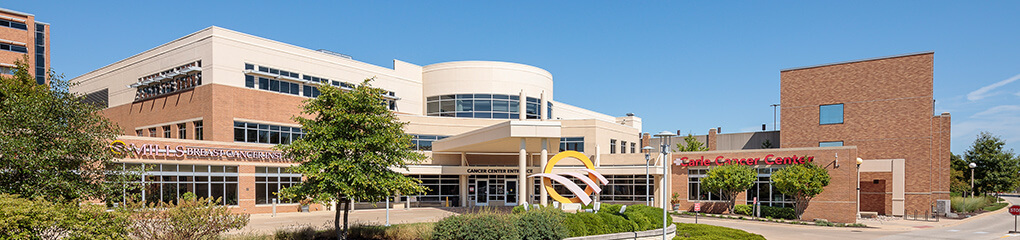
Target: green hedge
[[708, 232], [539, 223], [778, 212], [743, 209]]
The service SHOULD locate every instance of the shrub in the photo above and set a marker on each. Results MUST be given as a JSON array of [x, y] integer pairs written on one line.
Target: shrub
[[586, 223], [709, 232], [518, 209], [967, 204], [22, 218], [543, 223], [743, 209], [610, 208], [616, 223], [477, 226], [189, 218], [778, 212], [646, 217]]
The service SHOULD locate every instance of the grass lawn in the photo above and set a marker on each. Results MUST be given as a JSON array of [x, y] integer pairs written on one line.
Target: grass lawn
[[711, 232]]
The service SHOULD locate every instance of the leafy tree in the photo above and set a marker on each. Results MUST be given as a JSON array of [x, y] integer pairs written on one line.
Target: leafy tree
[[997, 169], [802, 181], [729, 180], [53, 145], [348, 149], [959, 175], [691, 144]]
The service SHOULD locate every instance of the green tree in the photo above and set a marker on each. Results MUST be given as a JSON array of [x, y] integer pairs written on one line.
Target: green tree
[[997, 169], [348, 150], [959, 175], [802, 181], [691, 144], [53, 145], [729, 180]]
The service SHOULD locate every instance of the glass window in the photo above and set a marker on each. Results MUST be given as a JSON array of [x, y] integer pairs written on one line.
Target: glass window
[[182, 130], [198, 130], [830, 114], [623, 146], [165, 183], [264, 133], [270, 180], [831, 144], [695, 192], [152, 132], [572, 144], [633, 147], [612, 146]]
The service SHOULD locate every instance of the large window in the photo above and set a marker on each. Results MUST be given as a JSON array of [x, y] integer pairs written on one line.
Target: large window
[[695, 192], [182, 130], [572, 144], [766, 193], [831, 144], [265, 133], [198, 130], [40, 54], [168, 182], [274, 85], [13, 24], [830, 114], [497, 106], [288, 82], [269, 181], [625, 188], [441, 189], [623, 146], [424, 142], [13, 48]]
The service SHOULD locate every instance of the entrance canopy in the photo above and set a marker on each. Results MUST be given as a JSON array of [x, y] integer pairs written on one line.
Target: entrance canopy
[[502, 138]]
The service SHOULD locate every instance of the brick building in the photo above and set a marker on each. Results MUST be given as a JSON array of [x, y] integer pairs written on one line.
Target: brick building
[[22, 36], [880, 110]]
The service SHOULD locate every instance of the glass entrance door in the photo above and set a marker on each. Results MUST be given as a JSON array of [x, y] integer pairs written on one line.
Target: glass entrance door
[[511, 192], [482, 192]]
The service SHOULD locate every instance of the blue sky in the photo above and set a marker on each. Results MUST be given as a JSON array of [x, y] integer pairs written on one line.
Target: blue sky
[[679, 65]]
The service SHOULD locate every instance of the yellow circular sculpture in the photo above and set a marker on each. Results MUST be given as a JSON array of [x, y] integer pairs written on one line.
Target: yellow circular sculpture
[[552, 162]]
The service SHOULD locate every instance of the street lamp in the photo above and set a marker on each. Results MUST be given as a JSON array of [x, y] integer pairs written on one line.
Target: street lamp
[[972, 166], [664, 141], [648, 182], [859, 161]]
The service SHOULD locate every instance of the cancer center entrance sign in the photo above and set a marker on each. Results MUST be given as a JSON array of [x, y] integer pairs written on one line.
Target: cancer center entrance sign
[[588, 175]]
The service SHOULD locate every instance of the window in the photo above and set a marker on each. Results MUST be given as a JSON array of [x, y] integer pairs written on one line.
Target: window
[[626, 188], [424, 142], [612, 146], [496, 188], [493, 106], [168, 182], [152, 132], [623, 146], [694, 177], [270, 180], [441, 188], [139, 133], [265, 133], [166, 131], [198, 130], [830, 114], [633, 147], [182, 130], [572, 144], [40, 54], [13, 24], [249, 81], [13, 48], [831, 144], [767, 194]]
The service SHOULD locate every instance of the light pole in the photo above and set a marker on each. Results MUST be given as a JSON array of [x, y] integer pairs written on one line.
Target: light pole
[[774, 116], [648, 182], [972, 166], [664, 141], [859, 161]]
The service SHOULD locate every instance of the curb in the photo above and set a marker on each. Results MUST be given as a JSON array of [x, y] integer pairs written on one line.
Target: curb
[[1003, 209]]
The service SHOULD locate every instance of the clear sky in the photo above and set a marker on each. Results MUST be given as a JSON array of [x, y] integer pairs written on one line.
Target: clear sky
[[680, 65]]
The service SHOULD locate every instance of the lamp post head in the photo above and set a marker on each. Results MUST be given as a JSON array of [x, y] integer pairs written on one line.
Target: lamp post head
[[648, 152], [972, 165], [859, 161], [665, 134]]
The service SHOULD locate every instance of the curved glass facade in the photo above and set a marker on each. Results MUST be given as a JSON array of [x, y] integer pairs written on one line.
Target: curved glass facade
[[497, 106]]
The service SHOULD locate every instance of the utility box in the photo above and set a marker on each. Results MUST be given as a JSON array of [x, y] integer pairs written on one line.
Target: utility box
[[942, 207]]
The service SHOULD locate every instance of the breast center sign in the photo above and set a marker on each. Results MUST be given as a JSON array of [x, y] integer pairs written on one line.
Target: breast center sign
[[121, 149], [768, 159]]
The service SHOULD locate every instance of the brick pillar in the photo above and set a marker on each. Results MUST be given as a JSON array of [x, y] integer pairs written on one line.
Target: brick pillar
[[710, 139], [646, 140]]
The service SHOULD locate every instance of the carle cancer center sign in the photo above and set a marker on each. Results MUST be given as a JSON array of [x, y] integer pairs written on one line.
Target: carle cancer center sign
[[768, 159]]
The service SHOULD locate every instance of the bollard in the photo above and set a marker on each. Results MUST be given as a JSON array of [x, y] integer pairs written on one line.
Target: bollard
[[387, 211], [274, 207]]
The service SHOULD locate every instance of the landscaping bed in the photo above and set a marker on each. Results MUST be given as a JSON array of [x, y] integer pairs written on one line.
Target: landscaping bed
[[702, 231]]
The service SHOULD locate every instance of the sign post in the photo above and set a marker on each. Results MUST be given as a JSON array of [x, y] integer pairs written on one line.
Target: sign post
[[697, 208], [757, 209], [1015, 210]]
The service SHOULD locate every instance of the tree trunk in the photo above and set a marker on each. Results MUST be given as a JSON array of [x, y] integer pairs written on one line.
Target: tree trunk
[[341, 233]]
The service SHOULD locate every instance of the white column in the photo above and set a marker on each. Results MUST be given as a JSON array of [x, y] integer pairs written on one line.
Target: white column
[[598, 158], [522, 164], [543, 193], [463, 159], [463, 190], [522, 106], [541, 108]]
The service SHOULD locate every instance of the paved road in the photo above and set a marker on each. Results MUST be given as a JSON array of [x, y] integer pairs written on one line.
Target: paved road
[[774, 231], [995, 226]]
